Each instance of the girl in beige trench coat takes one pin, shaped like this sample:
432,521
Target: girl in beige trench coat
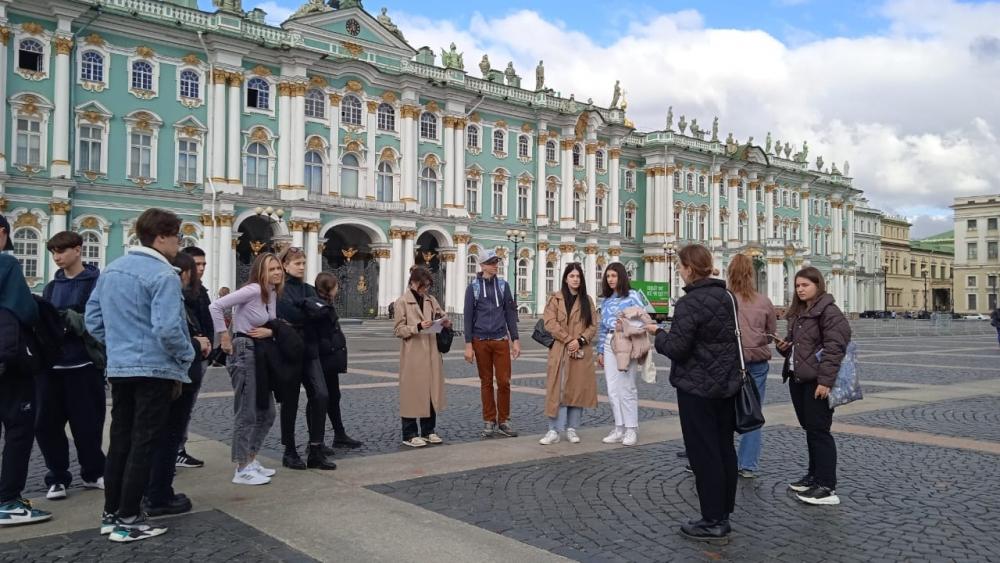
571,384
421,370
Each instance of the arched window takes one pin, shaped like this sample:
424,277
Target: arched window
472,195
629,181
471,267
702,189
550,151
523,199
522,276
92,66
703,225
428,126
502,269
315,104
142,75
629,221
677,181
187,242
550,277
428,188
689,217
27,250
383,184
678,216
499,197
690,182
314,172
578,214
350,171
472,137
386,117
30,56
499,140
599,159
599,209
522,147
258,93
350,110
258,162
576,155
92,250
742,229
190,84
550,205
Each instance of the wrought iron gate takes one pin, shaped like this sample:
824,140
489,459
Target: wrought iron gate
358,295
437,290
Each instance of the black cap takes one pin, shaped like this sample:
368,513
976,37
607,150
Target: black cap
5,225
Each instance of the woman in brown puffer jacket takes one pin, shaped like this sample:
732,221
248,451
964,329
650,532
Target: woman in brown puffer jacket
818,334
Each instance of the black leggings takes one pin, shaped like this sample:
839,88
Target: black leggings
333,404
314,382
816,417
707,426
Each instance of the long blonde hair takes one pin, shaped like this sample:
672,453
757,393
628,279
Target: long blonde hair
258,275
739,277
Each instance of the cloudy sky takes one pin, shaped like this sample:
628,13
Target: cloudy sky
908,91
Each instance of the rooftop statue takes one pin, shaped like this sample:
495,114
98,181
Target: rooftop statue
540,76
715,129
617,95
509,72
386,22
833,169
452,58
344,4
670,118
847,168
788,150
312,7
819,162
682,124
230,6
803,155
484,66
767,146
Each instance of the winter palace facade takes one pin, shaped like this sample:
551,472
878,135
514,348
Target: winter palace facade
332,133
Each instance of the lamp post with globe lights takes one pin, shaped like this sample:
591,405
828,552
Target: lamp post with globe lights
515,236
670,251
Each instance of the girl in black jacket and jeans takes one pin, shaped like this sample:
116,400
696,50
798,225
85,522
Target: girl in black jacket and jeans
702,347
333,357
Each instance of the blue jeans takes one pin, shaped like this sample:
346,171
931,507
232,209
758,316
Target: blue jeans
748,454
568,417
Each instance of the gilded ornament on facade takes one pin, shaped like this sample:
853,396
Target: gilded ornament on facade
256,246
353,49
189,229
95,40
447,257
315,143
191,59
354,86
551,256
142,93
615,251
59,207
318,82
144,52
299,88
32,28
389,96
335,99
502,252
473,173
92,116
27,219
91,86
431,160
567,248
500,124
261,70
4,35
387,155
89,223
381,253
234,78
284,88
427,255
353,146
372,106
475,118
461,238
591,148
525,253
258,134
63,45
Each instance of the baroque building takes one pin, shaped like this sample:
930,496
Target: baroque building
332,133
977,258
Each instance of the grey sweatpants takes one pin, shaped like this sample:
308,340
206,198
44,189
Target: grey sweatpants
251,424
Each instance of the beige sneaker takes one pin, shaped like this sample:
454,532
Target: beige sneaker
613,438
572,436
433,439
550,437
415,442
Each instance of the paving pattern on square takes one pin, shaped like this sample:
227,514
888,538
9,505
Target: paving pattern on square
977,418
200,536
900,502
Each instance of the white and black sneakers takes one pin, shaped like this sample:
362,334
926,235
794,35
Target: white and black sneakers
19,511
249,476
185,459
819,496
136,530
56,492
803,484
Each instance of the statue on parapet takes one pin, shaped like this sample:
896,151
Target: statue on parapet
803,155
386,22
695,128
819,162
344,4
510,73
229,6
788,150
715,129
484,66
670,118
452,58
540,76
767,145
682,124
616,95
312,7
847,168
833,169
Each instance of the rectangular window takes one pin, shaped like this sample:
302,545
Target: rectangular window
90,149
972,251
498,206
991,250
522,202
29,142
471,196
187,161
991,282
970,281
973,303
141,154
991,224
550,205
970,224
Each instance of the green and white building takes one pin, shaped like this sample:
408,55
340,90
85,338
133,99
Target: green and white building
332,133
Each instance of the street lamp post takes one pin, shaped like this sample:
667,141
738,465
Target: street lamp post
924,275
515,236
885,289
670,250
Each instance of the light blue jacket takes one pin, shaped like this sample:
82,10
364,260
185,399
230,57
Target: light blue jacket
137,310
610,308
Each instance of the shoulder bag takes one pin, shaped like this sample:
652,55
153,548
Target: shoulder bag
749,414
542,336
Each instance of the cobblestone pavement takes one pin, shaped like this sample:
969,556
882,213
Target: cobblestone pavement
195,537
900,502
977,418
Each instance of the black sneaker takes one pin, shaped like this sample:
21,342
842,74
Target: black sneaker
506,429
688,468
292,460
820,496
186,460
178,505
711,531
346,441
803,484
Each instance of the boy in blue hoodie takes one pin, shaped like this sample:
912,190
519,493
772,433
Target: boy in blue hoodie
73,390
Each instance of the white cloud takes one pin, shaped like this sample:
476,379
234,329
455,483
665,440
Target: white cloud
276,13
911,109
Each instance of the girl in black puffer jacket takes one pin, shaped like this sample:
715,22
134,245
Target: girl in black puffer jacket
333,357
705,369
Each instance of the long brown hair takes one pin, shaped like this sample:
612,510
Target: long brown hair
739,277
581,293
258,275
326,285
698,259
622,288
799,306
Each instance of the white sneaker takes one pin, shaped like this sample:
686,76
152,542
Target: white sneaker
98,484
572,436
550,437
631,437
249,477
56,492
615,437
256,466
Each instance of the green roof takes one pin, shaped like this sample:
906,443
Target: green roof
941,242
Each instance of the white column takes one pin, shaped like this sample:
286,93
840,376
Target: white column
650,219
448,123
233,126
407,258
396,264
838,229
614,177
227,255
315,266
461,258
372,155
285,138
459,152
752,211
769,211
734,210
590,261
715,183
850,231
297,227
210,244
297,145
218,171
665,186
451,274
386,294
804,220
591,204
333,183
541,219
566,171
408,148
60,116
541,257
57,224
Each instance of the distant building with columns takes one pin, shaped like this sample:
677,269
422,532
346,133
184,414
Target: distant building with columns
332,133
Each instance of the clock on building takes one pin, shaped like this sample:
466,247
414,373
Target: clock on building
353,27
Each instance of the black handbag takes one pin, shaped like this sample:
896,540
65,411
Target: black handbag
444,340
749,414
542,336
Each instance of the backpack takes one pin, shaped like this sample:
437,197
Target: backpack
501,288
49,332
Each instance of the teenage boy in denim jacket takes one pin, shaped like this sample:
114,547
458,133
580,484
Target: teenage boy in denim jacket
137,311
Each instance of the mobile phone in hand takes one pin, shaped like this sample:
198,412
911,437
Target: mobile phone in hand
776,339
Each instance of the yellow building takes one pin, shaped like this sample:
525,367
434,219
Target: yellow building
918,273
977,258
